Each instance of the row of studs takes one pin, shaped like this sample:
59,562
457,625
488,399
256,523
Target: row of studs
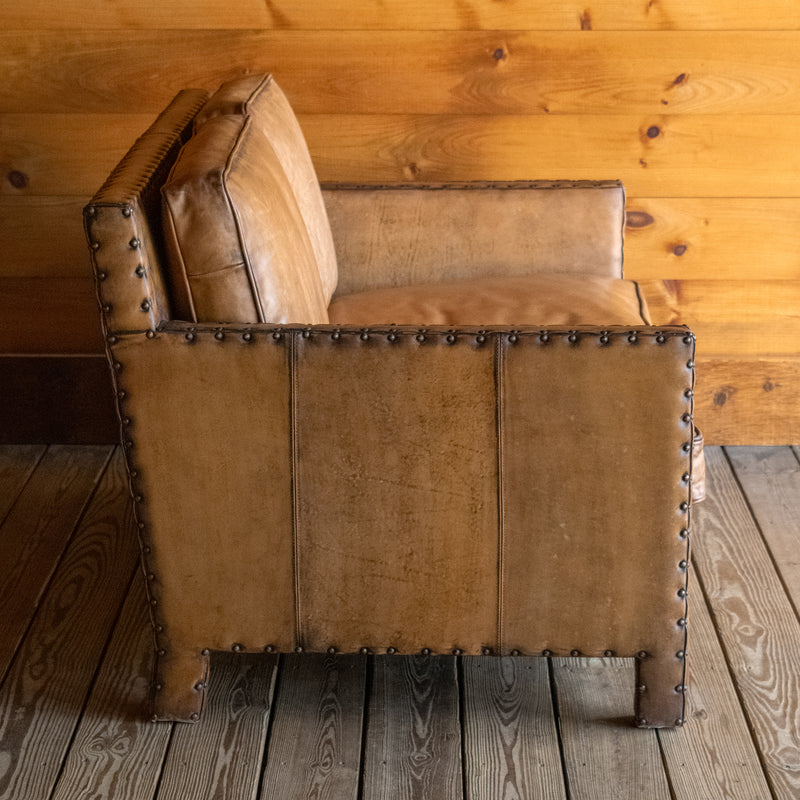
604,337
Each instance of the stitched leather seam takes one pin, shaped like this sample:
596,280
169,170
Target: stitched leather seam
498,377
292,339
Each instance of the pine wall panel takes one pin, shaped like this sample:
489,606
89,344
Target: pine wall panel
694,104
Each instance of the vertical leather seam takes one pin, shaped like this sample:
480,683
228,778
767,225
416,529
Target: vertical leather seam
640,299
498,377
298,633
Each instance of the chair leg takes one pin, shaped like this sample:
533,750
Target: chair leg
179,686
660,691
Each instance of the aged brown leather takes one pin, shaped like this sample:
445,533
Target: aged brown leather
519,486
539,299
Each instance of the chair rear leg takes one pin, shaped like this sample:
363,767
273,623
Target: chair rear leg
660,690
180,682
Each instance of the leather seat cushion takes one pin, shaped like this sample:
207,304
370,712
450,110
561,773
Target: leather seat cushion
529,300
258,96
237,243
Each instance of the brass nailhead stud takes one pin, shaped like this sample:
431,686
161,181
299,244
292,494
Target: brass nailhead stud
641,688
145,306
633,338
158,687
298,649
544,336
160,628
247,336
204,652
515,652
688,339
107,308
364,336
681,654
129,444
686,477
364,651
575,653
684,532
642,654
95,245
690,364
680,688
91,211
683,564
641,721
237,648
660,338
154,718
139,271
608,653
687,417
189,336
101,276
513,338
117,366
277,335
199,686
682,593
146,549
150,334
391,650
684,506
270,648
126,211
134,243
682,622
331,650
112,339
450,338
547,653
195,716
688,393
392,337
573,337
336,335
486,651
480,339
426,651
420,337
306,333
219,336
679,723
151,577
604,339
162,652
457,651
687,447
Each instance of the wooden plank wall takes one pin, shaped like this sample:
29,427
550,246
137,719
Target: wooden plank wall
695,104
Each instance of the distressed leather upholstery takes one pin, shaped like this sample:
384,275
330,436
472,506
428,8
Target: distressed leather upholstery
443,457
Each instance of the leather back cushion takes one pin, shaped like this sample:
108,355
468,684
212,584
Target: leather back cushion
237,242
261,98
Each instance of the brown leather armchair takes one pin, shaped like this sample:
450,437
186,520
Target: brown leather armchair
388,419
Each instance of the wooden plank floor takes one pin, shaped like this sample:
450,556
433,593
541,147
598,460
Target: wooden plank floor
75,654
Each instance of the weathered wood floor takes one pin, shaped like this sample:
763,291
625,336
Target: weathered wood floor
75,659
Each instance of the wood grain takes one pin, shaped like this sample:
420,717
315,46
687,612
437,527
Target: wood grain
713,755
740,400
757,625
604,755
713,238
37,531
413,746
46,688
43,237
691,155
315,741
408,15
509,729
117,752
770,479
17,463
735,316
221,756
49,315
412,72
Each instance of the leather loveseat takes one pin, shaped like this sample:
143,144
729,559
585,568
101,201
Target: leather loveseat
388,419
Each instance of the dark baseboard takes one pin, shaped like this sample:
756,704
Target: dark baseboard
56,400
